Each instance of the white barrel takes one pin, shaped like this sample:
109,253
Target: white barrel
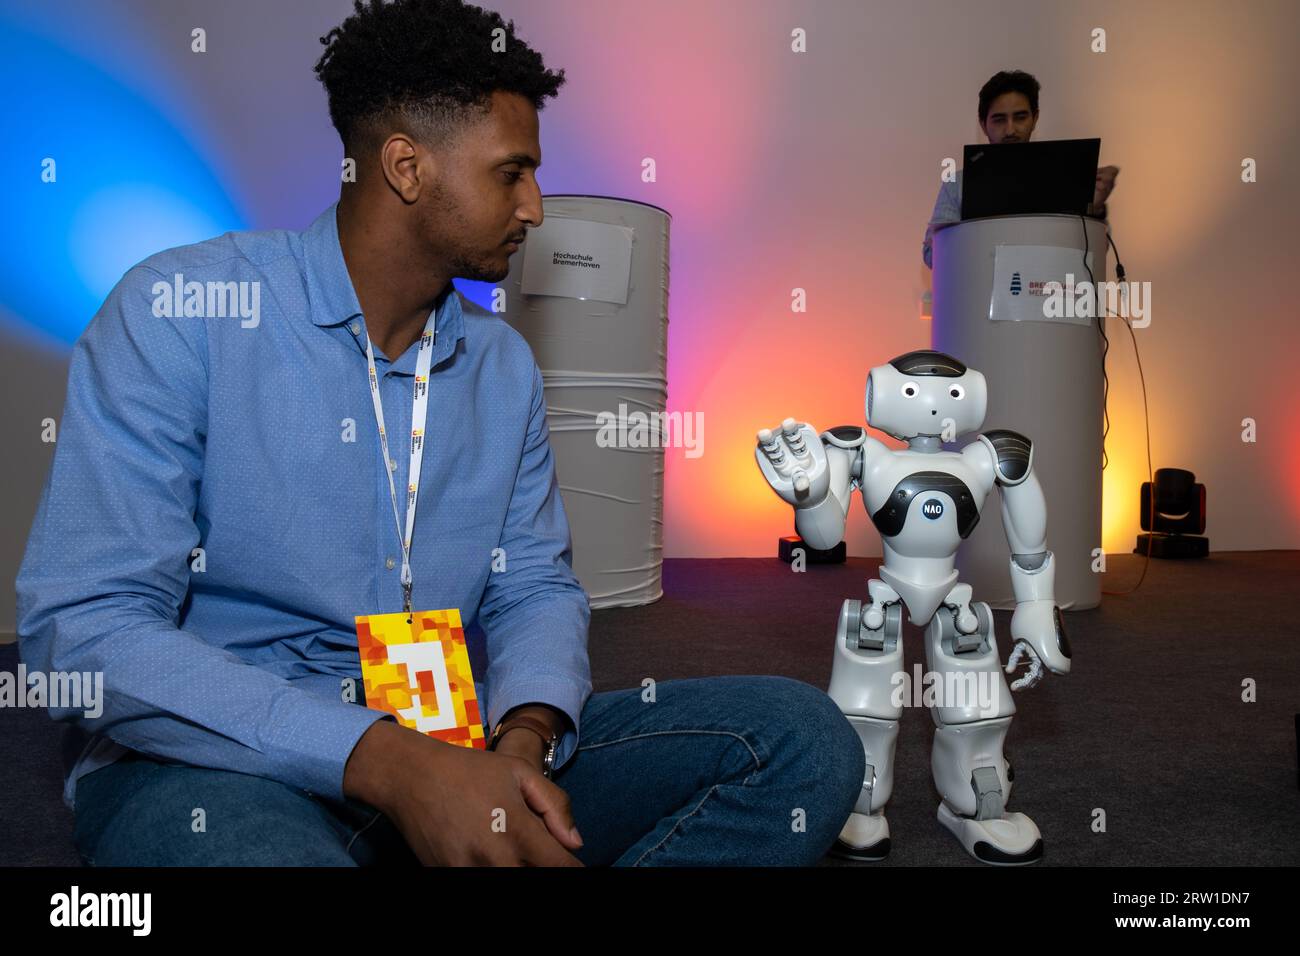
603,361
1044,381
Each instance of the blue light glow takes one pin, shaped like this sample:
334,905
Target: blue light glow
128,184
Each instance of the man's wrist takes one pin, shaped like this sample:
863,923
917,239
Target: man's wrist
366,776
531,731
556,720
522,742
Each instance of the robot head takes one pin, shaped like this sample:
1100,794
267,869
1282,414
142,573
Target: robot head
920,392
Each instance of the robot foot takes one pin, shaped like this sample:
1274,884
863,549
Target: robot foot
864,837
1012,840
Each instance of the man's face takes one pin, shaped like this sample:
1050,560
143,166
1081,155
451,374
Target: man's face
1009,119
487,192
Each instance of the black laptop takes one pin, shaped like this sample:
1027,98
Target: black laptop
1012,179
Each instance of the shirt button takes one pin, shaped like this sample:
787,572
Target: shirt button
392,465
389,564
355,327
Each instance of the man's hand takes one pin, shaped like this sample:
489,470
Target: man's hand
1105,184
445,799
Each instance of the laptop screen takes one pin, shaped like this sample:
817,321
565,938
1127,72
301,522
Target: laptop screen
1048,176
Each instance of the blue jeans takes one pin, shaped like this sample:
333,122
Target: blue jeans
716,771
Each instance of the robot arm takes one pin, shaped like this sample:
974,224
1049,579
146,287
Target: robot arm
1024,510
1036,624
814,473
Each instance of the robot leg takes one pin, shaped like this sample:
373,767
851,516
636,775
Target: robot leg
863,681
882,595
959,600
971,720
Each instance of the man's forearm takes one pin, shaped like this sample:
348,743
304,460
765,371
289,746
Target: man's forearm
205,709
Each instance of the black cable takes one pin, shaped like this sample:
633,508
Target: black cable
1101,327
1151,533
1105,342
1105,388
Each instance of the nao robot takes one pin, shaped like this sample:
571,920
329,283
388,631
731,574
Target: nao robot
924,501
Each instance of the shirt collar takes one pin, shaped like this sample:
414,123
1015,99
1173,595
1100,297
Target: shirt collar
334,300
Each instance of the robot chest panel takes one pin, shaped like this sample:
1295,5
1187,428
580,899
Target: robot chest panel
939,503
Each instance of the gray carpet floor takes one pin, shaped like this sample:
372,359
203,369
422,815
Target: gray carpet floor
1149,726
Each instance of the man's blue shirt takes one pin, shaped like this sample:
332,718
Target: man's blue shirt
254,440
947,208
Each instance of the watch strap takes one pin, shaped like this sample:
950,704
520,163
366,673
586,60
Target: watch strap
523,720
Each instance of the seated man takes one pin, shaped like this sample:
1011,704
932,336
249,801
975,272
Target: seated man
216,516
1008,113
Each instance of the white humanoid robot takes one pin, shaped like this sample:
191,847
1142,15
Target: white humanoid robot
924,501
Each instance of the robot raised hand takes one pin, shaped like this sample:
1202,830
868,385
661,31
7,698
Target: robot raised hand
811,472
794,463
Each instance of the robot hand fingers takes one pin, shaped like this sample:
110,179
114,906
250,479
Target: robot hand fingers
805,445
1022,651
796,458
789,434
774,448
792,432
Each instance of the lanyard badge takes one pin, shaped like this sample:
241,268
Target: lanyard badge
418,412
415,665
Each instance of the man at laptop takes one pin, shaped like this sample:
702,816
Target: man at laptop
1008,113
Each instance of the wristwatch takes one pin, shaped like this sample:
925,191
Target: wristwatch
549,739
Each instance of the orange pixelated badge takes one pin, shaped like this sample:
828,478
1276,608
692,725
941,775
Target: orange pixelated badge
416,667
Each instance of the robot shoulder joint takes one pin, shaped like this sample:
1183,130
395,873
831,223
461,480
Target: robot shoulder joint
850,438
845,436
1013,455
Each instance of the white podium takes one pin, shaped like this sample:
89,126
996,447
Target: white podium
1044,377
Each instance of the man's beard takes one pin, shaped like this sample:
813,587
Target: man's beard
480,270
445,216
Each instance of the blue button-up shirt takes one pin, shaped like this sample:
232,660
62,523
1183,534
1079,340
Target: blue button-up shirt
947,208
252,439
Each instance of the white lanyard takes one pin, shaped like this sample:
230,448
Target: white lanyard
418,410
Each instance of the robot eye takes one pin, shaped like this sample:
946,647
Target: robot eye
957,392
910,390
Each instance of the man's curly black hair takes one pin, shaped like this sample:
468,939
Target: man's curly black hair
426,67
1013,81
